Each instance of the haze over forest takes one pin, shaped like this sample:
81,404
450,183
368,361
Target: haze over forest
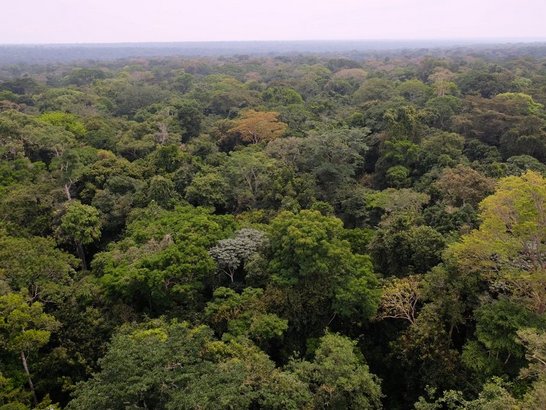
273,205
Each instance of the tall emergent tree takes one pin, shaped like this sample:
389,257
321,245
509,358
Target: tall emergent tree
81,225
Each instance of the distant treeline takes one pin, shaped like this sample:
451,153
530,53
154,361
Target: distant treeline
64,53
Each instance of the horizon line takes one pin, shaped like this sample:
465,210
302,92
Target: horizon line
489,40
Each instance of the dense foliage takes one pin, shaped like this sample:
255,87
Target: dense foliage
274,232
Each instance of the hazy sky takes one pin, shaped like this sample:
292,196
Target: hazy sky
75,21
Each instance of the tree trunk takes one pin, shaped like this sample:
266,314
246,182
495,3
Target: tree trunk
31,385
67,192
81,255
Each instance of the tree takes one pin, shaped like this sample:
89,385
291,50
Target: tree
232,253
439,111
518,103
69,167
162,262
35,266
485,83
508,250
169,365
222,94
534,145
496,350
281,96
404,122
534,342
84,76
400,248
494,396
338,377
521,163
127,96
374,89
207,189
494,120
497,393
189,117
425,354
254,126
414,91
24,329
399,299
317,272
255,180
390,203
396,153
81,225
442,148
161,190
69,122
442,81
244,314
334,158
398,176
462,185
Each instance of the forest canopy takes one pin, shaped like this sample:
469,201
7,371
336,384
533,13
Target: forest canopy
305,231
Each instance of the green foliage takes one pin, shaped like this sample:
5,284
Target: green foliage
259,195
163,261
282,96
511,237
254,179
127,98
35,266
24,327
83,76
414,91
396,155
440,110
426,353
244,314
161,191
80,223
207,189
309,259
523,103
398,176
172,365
338,377
189,117
24,330
69,122
462,185
401,250
374,89
443,149
333,158
487,84
497,348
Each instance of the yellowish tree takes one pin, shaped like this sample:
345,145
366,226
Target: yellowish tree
258,126
399,299
509,248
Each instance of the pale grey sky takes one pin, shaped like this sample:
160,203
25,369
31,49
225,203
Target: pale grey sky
98,21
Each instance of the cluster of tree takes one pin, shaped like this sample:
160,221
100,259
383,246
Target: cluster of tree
277,233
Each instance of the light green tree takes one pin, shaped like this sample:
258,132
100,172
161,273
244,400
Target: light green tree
81,225
509,248
338,377
24,329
